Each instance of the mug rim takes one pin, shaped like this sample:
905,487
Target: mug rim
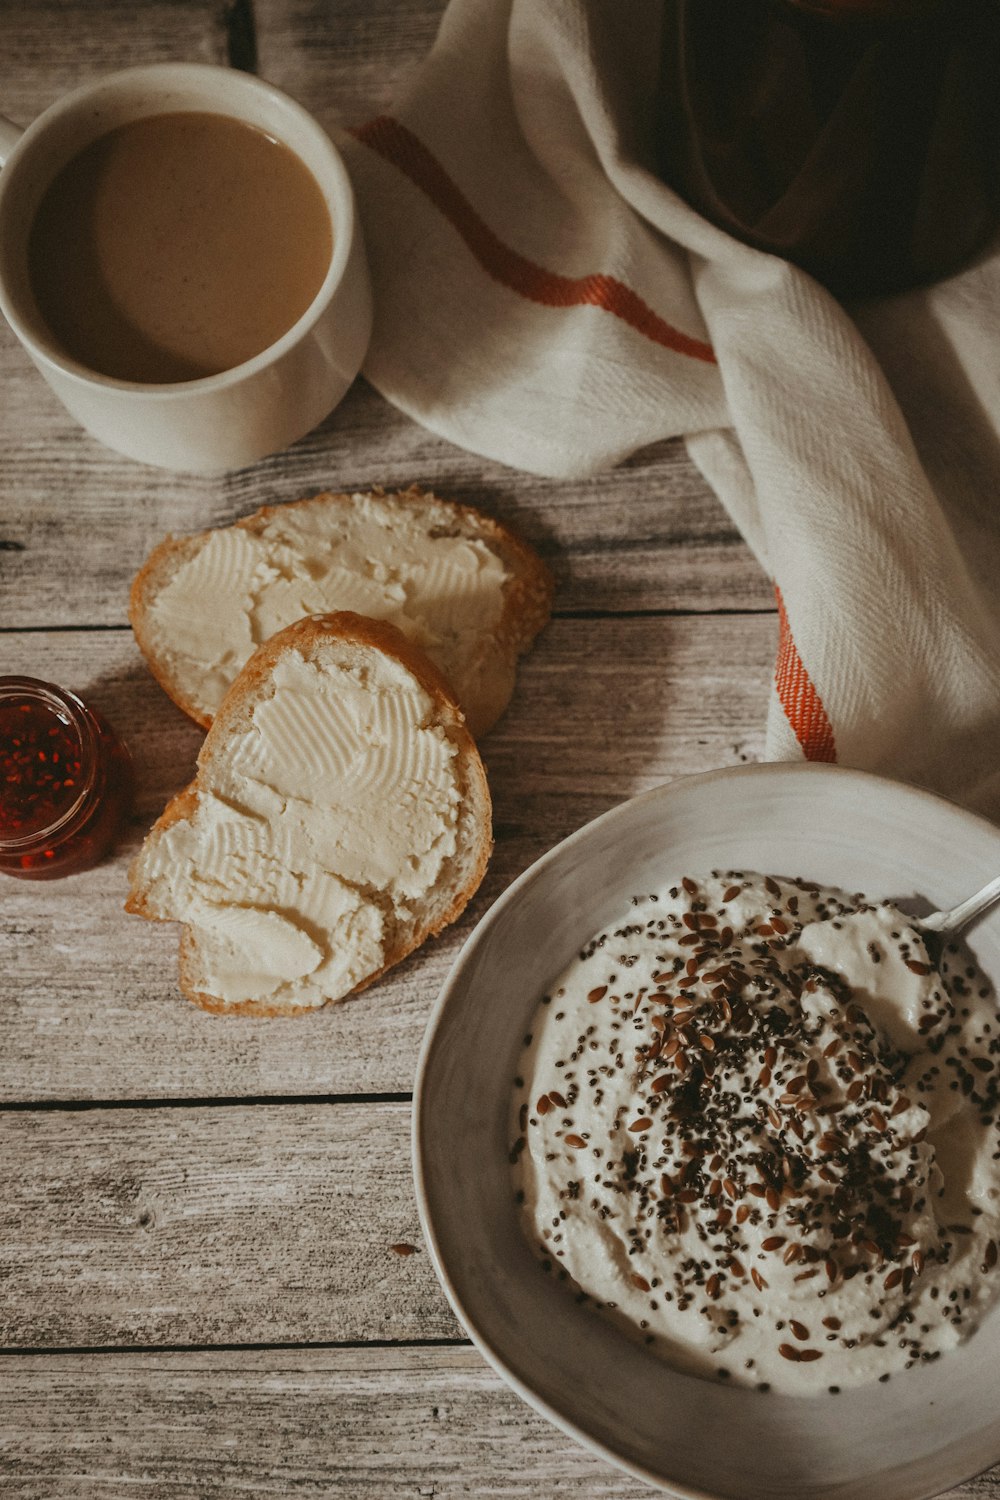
343,223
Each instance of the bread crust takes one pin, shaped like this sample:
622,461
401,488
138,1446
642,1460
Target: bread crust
150,578
309,636
527,594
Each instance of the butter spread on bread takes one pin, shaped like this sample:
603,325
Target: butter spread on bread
339,816
455,582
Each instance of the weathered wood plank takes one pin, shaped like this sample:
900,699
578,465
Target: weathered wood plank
604,708
229,1225
366,1424
648,535
317,1423
50,46
348,66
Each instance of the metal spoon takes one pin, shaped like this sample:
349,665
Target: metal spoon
961,915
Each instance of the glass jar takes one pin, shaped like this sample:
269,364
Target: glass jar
858,138
65,781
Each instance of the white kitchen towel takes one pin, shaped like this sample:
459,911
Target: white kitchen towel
544,300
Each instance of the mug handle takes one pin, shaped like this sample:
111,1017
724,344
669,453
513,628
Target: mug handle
10,134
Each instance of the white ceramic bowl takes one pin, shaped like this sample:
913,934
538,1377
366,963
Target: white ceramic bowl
915,1436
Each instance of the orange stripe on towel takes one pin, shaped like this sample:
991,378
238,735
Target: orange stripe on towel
799,698
405,151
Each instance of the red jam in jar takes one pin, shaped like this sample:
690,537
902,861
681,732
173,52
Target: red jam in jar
65,781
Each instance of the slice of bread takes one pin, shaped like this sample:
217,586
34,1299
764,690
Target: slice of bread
457,583
339,816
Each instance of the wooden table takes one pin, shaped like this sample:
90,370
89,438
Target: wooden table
198,1286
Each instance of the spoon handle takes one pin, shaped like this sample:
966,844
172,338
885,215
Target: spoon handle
958,917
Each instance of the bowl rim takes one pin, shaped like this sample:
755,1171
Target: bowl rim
512,893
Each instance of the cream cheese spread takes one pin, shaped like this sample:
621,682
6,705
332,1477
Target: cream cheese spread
332,812
758,1125
383,560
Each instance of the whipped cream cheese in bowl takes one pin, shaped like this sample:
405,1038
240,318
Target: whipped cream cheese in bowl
759,1124
708,1163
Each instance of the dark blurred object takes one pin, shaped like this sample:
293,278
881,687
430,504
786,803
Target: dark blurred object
858,138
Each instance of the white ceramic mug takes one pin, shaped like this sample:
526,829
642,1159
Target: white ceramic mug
220,421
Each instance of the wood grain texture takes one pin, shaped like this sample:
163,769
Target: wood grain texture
349,62
604,709
232,1225
646,536
366,1423
51,46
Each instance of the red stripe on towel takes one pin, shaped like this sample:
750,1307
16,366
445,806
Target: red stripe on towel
799,698
405,151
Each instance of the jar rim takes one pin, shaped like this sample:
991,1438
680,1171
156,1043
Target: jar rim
37,690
